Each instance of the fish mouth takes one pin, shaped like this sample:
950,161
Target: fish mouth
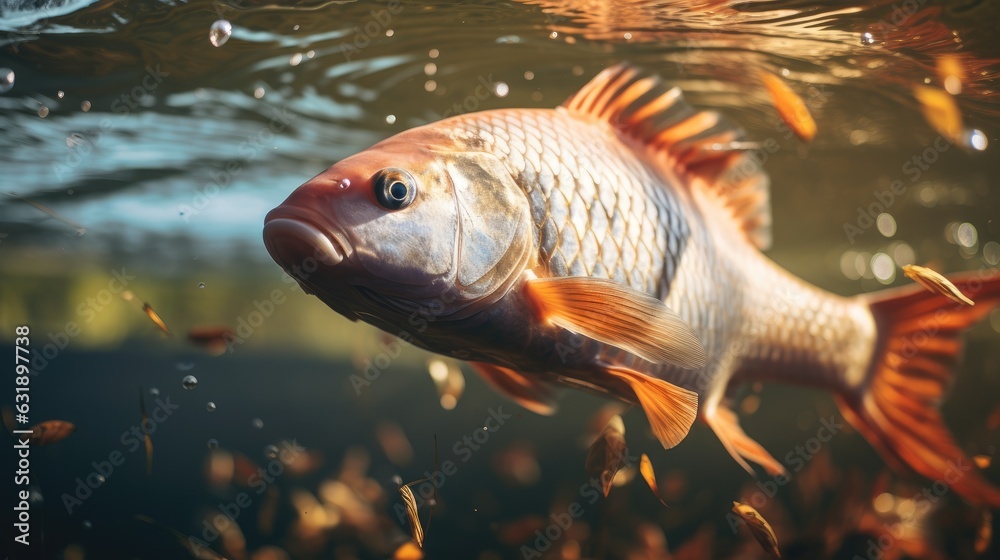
293,236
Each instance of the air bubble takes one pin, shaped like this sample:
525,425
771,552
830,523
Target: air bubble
6,79
344,183
220,32
257,423
867,39
201,284
213,443
210,406
390,119
271,452
189,382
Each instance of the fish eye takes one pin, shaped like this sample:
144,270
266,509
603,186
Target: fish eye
394,188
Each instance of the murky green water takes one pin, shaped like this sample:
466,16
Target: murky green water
165,152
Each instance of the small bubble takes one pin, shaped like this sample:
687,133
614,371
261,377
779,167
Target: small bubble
529,75
210,406
975,139
43,111
391,119
85,106
220,32
536,96
154,391
867,39
966,235
295,60
397,480
344,183
886,224
991,253
430,85
433,53
389,32
847,265
189,382
883,268
501,89
296,27
213,443
578,70
101,479
271,452
553,35
87,524
628,36
785,72
201,284
257,423
258,93
60,94
6,79
310,54
430,68
903,254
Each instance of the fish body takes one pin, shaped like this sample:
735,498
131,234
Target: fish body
614,245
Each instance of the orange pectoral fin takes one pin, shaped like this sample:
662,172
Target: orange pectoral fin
615,314
537,396
671,410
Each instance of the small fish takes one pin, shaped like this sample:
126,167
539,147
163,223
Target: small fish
215,340
940,111
148,309
412,514
759,528
50,431
608,452
614,245
791,108
984,535
148,440
935,283
649,475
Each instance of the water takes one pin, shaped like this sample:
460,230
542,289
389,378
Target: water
127,125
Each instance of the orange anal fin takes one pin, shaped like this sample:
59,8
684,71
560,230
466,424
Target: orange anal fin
726,426
616,314
670,409
537,396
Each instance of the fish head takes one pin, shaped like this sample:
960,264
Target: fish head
417,223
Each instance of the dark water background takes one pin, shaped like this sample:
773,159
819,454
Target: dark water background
123,120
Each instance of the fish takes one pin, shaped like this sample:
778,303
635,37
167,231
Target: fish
615,245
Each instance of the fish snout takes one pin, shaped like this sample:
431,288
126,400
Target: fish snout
298,240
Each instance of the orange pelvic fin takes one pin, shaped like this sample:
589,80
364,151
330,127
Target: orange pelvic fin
618,315
537,396
726,426
670,409
896,408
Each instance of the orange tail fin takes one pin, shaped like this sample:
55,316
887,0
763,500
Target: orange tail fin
919,345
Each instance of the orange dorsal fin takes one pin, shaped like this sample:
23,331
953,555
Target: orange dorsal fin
701,146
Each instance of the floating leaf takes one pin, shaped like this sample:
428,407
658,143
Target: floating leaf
940,111
646,468
759,528
935,283
607,453
394,443
411,513
155,318
50,431
984,535
791,108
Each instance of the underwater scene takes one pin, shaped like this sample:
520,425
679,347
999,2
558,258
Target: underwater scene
734,298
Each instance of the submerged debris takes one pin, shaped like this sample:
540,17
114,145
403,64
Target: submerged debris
935,283
759,527
608,453
791,108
